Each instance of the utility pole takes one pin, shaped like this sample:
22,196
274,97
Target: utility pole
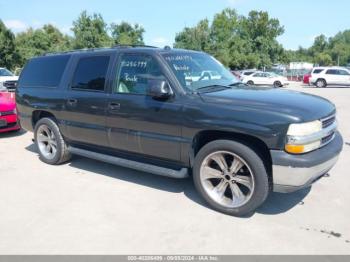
338,60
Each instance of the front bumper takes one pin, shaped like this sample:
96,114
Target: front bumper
294,172
11,123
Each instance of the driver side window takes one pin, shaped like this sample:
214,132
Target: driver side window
135,71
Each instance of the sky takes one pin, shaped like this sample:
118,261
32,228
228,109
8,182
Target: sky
303,20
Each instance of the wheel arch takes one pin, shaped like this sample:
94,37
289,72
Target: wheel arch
39,114
257,145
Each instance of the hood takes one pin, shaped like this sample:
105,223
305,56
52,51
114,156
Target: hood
8,78
7,101
299,106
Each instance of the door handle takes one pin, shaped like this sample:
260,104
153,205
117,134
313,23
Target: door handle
72,102
114,106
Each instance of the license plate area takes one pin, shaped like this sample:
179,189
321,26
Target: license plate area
3,122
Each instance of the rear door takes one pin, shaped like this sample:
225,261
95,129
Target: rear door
332,77
86,99
136,122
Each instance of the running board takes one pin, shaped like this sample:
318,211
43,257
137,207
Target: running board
148,168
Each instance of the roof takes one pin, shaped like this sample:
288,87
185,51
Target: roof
119,47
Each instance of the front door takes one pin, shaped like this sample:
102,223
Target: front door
136,122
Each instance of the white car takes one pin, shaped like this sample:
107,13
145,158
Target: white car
265,78
207,75
8,80
323,76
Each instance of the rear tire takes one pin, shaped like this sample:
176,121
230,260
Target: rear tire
251,83
321,83
230,177
52,148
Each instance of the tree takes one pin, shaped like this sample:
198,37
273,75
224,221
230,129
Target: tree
127,34
194,38
323,59
90,31
8,52
37,42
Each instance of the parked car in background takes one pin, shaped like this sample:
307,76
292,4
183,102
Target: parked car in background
306,78
8,113
266,78
246,73
325,76
8,81
132,106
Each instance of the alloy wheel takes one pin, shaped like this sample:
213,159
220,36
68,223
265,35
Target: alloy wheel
227,179
47,142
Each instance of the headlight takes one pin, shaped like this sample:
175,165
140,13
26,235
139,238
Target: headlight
304,129
301,132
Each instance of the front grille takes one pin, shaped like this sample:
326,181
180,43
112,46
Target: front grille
328,138
9,125
7,113
10,85
326,122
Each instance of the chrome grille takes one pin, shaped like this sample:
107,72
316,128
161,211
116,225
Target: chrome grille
326,122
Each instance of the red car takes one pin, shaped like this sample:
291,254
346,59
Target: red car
8,112
306,79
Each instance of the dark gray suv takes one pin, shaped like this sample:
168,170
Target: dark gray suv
178,113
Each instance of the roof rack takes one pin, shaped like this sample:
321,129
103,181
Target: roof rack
76,51
134,46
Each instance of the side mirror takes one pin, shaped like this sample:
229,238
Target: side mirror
159,89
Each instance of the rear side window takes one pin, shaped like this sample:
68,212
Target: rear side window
317,71
332,72
44,71
90,73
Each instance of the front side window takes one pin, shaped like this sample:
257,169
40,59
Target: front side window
343,72
198,70
90,73
5,72
135,72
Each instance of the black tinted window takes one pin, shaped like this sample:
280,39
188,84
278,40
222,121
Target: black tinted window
135,72
317,71
44,71
332,72
90,73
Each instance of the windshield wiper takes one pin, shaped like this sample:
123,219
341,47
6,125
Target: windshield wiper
237,84
212,88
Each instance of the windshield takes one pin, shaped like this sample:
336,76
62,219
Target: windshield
5,72
198,70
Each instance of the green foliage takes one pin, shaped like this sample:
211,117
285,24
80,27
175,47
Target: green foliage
8,53
90,31
37,42
127,34
326,51
237,41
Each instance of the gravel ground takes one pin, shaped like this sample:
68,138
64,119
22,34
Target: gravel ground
89,207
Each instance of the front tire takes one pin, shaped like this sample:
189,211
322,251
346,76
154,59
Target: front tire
230,177
251,83
52,148
277,84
